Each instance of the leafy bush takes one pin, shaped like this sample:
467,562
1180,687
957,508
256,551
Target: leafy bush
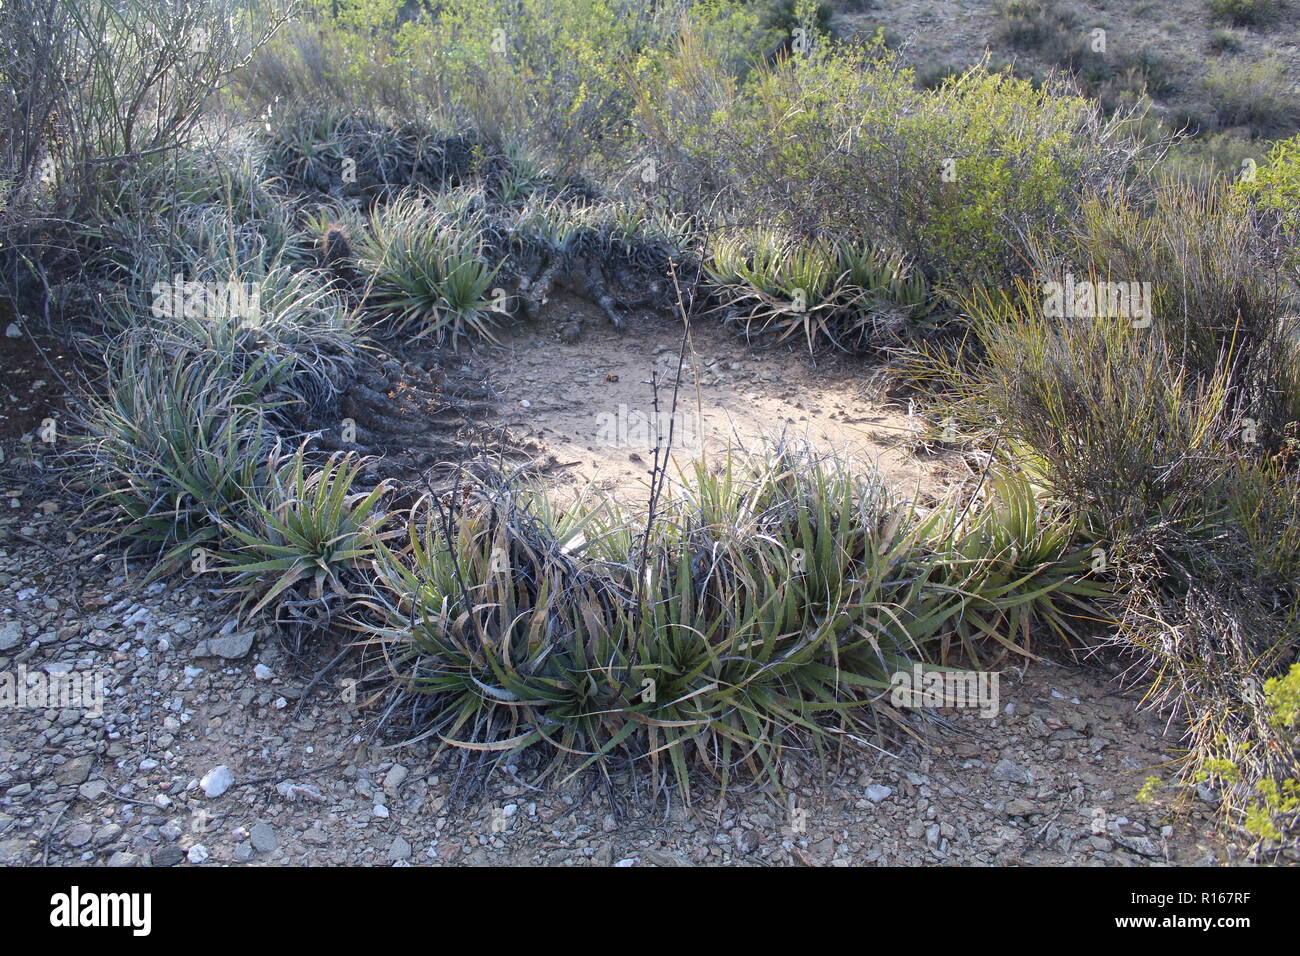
1274,190
843,144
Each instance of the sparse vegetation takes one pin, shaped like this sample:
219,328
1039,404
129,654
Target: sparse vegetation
1259,95
1245,12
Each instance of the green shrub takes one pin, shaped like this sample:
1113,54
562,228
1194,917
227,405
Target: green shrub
1274,190
1275,186
1034,24
843,144
1170,435
1225,41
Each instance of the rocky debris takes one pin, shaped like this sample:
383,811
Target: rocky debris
75,771
399,849
1012,773
394,779
168,855
298,791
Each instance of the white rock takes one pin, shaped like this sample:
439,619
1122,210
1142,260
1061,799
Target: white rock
198,854
217,781
262,672
878,792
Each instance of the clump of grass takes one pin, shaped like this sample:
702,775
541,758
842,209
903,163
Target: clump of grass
307,526
759,608
670,655
343,151
1225,41
426,272
853,296
1218,302
289,322
1104,410
1025,575
173,447
1171,442
1034,24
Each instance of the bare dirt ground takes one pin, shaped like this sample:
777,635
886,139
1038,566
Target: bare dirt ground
30,391
582,390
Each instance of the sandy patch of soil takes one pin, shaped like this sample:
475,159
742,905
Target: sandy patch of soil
582,391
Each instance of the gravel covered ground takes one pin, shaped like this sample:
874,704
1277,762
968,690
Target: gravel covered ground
202,756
